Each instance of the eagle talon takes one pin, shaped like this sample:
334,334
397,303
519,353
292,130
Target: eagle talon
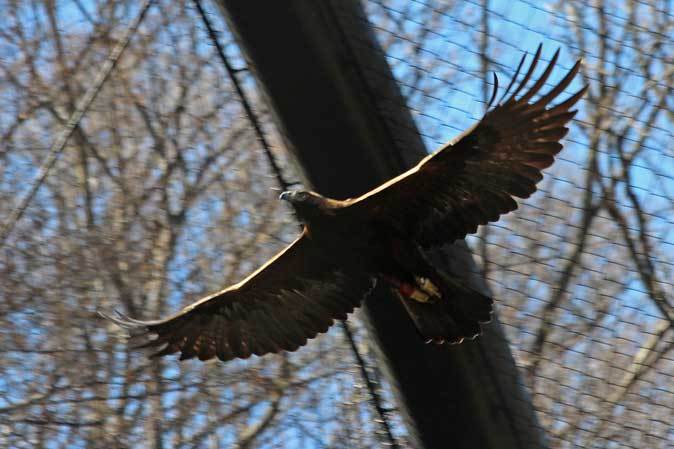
428,287
420,296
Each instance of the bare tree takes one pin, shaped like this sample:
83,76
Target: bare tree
162,194
583,270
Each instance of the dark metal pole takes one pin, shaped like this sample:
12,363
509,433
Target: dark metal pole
310,58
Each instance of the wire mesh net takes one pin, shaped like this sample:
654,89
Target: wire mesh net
164,194
161,195
582,271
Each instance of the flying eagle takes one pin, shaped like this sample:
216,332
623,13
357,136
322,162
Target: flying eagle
346,246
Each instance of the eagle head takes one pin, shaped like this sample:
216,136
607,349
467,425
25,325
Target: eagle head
308,205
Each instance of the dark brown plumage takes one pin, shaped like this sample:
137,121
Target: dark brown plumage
347,246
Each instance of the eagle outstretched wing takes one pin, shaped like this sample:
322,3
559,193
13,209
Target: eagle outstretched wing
293,297
472,180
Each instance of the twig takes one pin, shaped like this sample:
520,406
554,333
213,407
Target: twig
212,34
371,387
81,108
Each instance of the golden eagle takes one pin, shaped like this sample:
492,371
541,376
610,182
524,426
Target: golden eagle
347,246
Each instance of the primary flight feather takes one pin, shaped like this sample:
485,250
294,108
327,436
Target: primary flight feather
348,245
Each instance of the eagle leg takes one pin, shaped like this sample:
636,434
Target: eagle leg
441,306
425,291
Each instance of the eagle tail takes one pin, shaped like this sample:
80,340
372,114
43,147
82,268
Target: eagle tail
454,316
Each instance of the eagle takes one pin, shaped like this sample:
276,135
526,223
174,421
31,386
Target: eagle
347,246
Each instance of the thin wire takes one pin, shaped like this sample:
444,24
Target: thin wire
80,110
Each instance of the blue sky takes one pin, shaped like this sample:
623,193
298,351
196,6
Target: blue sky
516,26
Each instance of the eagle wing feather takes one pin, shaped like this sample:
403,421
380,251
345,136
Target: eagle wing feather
474,179
293,297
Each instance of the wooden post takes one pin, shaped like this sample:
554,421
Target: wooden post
314,61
